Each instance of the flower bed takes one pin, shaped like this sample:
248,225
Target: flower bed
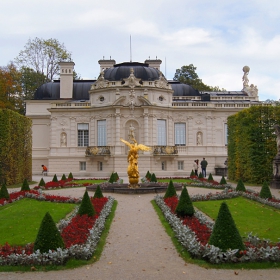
80,234
190,232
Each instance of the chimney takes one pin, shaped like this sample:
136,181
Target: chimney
66,79
155,63
106,63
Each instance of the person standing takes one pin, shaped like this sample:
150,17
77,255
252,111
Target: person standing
195,167
203,165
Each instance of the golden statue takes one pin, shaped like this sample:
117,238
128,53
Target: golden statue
132,158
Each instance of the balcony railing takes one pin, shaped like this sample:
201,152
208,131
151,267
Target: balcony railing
165,150
98,151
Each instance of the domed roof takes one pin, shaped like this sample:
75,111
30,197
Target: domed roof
183,89
122,71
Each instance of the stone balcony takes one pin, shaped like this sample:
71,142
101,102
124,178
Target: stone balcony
165,150
92,151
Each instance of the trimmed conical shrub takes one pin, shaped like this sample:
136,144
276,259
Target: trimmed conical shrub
185,206
116,176
86,207
63,177
48,237
225,234
200,175
148,174
113,177
192,173
42,183
210,177
54,178
223,181
171,191
25,186
4,192
240,186
265,191
153,178
70,176
98,193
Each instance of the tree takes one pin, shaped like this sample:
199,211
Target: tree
187,75
185,206
86,207
171,191
43,56
11,96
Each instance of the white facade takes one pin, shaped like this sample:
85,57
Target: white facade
83,136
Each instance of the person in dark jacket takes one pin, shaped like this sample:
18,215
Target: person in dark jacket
203,165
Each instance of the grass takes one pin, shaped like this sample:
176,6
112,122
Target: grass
19,185
73,263
20,220
183,253
175,180
84,181
249,216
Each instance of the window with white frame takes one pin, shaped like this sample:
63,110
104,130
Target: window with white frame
83,134
101,133
180,165
226,134
163,165
83,166
99,166
161,129
180,134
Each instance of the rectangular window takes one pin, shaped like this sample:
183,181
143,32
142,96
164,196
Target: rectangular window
180,165
83,166
100,166
163,165
101,133
180,134
83,134
226,134
161,129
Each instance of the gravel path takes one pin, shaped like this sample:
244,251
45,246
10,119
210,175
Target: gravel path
138,248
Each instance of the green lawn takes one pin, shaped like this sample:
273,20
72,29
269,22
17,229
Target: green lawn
186,181
89,181
20,220
249,216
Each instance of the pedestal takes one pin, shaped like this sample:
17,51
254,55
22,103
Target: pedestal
275,182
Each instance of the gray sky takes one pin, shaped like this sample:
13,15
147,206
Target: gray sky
218,37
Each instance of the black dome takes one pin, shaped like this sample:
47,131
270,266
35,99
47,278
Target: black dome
183,89
122,71
51,90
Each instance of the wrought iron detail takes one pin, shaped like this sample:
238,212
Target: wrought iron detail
98,151
165,150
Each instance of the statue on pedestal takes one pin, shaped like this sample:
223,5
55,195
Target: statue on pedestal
275,183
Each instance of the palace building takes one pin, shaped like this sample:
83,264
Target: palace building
77,124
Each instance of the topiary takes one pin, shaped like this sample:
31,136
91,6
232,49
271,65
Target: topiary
223,181
192,173
111,179
171,191
185,206
25,186
98,193
70,176
210,177
200,175
240,186
54,178
153,178
265,191
86,207
42,182
63,178
4,192
225,234
48,237
147,174
116,177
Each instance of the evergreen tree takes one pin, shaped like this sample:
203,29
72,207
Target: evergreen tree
192,173
200,175
223,181
185,206
225,234
54,178
70,176
153,178
86,207
63,178
25,186
48,237
171,191
42,183
210,177
240,186
265,191
4,192
116,177
98,193
111,180
148,174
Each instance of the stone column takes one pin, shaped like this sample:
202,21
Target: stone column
118,131
146,126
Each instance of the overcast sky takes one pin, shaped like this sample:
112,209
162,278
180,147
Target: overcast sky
218,37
